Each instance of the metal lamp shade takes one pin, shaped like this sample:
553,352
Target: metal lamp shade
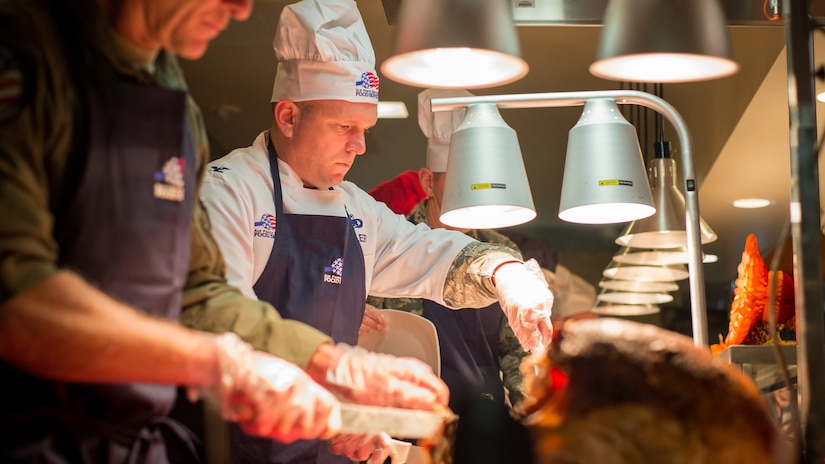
666,228
486,183
604,176
624,310
670,273
635,286
654,257
634,298
455,43
664,41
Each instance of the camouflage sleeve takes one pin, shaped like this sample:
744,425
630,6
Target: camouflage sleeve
376,301
410,305
469,282
510,356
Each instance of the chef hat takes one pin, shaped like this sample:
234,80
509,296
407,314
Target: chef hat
324,52
438,127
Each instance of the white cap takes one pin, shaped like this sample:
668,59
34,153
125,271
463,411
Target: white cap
324,52
439,127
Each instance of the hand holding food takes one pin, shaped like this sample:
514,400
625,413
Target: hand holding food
266,395
363,377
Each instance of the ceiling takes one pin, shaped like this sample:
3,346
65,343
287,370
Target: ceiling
739,126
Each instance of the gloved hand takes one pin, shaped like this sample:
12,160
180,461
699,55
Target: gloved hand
373,321
267,395
363,377
374,449
527,302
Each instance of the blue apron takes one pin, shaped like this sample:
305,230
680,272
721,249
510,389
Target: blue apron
127,231
469,343
316,275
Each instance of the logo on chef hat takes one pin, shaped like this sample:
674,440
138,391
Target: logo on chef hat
265,227
169,180
333,272
367,86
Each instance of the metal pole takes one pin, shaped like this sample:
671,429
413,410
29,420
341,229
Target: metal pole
805,230
698,310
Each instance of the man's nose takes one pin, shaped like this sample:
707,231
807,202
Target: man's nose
240,9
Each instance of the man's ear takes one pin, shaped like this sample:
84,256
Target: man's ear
425,177
285,115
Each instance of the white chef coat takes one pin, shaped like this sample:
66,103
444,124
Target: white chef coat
401,259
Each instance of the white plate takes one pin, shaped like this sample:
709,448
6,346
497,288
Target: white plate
406,335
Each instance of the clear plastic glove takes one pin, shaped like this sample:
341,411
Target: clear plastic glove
374,449
267,395
527,302
373,321
363,377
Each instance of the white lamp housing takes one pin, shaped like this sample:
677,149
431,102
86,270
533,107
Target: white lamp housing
604,174
486,184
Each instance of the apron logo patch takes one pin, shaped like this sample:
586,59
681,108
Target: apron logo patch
333,272
358,224
169,180
265,228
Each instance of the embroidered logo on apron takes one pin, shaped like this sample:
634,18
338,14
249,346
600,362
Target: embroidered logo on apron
169,180
265,227
358,224
333,272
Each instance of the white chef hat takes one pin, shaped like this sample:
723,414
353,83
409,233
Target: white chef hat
324,52
438,127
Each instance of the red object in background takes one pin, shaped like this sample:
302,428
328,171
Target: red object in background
749,310
401,193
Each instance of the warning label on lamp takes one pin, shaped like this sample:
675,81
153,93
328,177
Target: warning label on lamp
629,183
487,186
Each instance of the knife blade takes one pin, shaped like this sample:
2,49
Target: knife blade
396,422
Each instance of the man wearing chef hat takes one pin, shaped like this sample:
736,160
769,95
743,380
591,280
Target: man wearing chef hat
295,234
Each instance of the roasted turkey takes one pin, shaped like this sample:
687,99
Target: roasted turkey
612,391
